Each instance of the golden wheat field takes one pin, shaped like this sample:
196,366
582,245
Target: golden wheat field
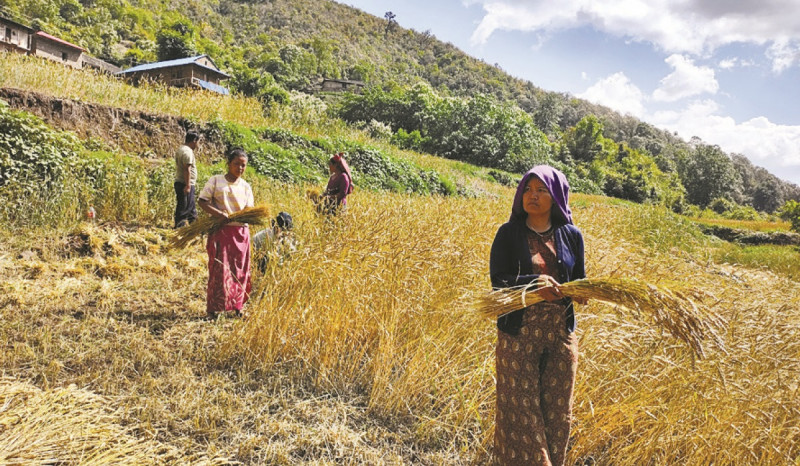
365,346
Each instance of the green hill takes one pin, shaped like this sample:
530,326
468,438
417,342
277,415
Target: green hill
279,45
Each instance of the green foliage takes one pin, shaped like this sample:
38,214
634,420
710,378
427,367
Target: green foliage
133,57
374,169
584,142
262,86
265,157
636,177
547,113
478,130
32,157
721,205
791,213
405,140
176,40
708,173
767,196
379,130
50,178
286,156
503,178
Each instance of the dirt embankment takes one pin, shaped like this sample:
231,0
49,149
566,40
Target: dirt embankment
149,135
752,237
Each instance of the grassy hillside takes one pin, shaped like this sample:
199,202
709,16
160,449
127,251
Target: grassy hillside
269,47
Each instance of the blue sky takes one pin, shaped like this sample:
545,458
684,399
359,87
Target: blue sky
727,71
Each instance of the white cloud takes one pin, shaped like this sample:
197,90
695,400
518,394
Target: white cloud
689,26
735,62
584,76
784,54
769,145
616,92
686,80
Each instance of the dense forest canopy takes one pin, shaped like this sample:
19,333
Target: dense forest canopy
430,95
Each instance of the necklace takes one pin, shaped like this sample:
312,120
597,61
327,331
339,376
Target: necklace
542,234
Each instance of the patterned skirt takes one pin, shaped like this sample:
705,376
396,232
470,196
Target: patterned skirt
535,379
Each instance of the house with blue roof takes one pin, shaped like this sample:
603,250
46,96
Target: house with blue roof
199,71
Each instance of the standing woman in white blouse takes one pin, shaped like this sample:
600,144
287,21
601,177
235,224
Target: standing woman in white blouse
229,247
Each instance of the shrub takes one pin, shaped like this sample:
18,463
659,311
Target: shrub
791,213
378,130
406,140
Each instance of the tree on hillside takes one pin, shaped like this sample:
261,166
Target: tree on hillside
767,196
634,176
707,174
262,86
585,141
548,112
176,40
391,23
791,213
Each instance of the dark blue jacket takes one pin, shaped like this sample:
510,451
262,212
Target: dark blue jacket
510,265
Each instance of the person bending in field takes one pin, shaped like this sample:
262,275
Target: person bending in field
229,247
537,351
277,242
340,184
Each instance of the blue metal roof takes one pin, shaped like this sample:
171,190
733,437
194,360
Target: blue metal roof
168,63
213,87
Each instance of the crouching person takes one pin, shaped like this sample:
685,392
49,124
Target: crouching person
277,242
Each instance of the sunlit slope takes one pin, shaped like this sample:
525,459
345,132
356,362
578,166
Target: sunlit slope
372,317
378,302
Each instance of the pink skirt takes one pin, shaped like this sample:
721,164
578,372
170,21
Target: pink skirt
228,269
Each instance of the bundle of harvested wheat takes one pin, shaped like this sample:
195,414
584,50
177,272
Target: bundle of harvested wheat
192,233
314,195
671,310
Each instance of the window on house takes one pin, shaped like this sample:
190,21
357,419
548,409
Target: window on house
8,34
64,56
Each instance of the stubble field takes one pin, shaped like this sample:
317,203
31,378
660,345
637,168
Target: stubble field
363,348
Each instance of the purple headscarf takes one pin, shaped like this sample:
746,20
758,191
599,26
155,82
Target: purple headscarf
556,183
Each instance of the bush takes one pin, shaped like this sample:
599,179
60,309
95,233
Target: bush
791,213
721,205
283,155
378,130
265,157
503,178
406,140
33,156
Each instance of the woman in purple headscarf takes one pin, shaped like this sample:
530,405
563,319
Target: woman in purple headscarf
537,351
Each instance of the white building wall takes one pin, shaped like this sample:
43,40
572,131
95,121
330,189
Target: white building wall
56,52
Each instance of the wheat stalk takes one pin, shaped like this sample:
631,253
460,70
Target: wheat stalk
191,233
671,310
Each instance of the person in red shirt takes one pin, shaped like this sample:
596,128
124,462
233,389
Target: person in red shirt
340,184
